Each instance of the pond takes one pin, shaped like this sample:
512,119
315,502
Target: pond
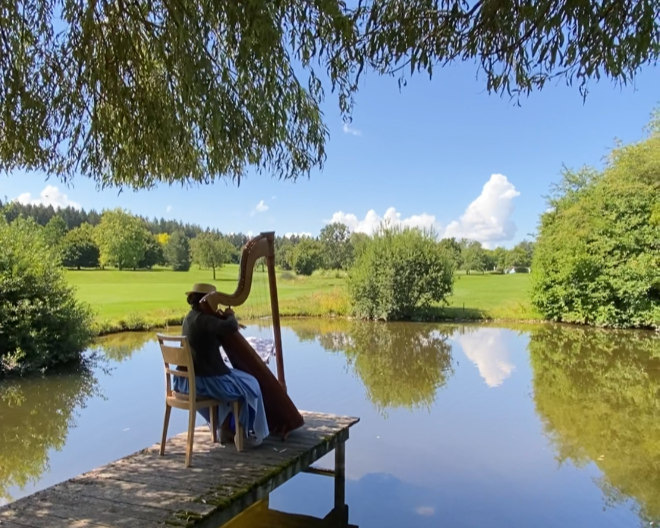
460,425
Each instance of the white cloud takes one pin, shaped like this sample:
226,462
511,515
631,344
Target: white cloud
425,511
168,209
261,207
392,218
488,218
50,195
348,129
487,350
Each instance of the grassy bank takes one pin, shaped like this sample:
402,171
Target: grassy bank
488,296
135,300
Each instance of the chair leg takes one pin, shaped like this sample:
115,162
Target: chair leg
240,434
214,423
166,423
191,436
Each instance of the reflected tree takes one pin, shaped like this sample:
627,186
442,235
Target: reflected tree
598,393
36,414
401,364
322,329
121,346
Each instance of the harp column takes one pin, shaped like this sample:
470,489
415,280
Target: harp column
275,308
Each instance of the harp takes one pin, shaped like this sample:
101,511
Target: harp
281,413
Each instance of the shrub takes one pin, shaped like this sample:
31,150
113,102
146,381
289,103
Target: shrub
79,248
41,323
597,257
334,302
307,256
399,274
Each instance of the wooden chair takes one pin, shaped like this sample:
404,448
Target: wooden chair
176,352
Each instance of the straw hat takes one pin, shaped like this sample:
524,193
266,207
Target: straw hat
201,287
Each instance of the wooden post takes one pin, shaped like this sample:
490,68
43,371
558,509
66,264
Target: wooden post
340,477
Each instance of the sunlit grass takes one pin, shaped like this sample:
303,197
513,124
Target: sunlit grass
139,300
493,296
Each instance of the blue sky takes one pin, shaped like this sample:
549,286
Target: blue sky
440,152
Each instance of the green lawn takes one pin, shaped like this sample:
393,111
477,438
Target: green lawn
145,299
492,296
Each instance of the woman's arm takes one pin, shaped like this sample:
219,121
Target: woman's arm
221,327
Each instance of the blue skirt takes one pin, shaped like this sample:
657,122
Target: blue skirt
237,385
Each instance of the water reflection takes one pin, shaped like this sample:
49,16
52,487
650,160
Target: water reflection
598,394
400,364
120,347
259,514
488,350
35,417
465,455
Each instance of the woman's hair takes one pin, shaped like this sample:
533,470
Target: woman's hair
194,298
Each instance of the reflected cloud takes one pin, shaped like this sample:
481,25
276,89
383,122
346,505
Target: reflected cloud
487,350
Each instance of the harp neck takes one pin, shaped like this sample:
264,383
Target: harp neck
260,246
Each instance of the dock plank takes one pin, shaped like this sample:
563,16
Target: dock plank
145,489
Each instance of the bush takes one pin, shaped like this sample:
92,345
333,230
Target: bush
307,256
79,248
398,275
41,323
597,258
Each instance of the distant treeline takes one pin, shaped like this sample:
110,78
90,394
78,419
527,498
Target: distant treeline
120,239
42,214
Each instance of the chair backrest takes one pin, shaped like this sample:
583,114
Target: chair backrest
176,352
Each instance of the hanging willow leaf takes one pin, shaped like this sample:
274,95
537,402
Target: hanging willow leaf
136,92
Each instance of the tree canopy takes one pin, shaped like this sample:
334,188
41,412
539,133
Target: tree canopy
597,256
211,250
133,93
122,239
42,324
399,275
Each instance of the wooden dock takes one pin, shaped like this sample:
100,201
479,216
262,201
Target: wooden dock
145,489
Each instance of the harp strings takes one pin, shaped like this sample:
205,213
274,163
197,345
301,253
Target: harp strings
261,314
261,308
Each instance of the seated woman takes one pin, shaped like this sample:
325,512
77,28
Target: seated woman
213,377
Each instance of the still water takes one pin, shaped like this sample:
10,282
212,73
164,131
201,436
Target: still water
460,426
